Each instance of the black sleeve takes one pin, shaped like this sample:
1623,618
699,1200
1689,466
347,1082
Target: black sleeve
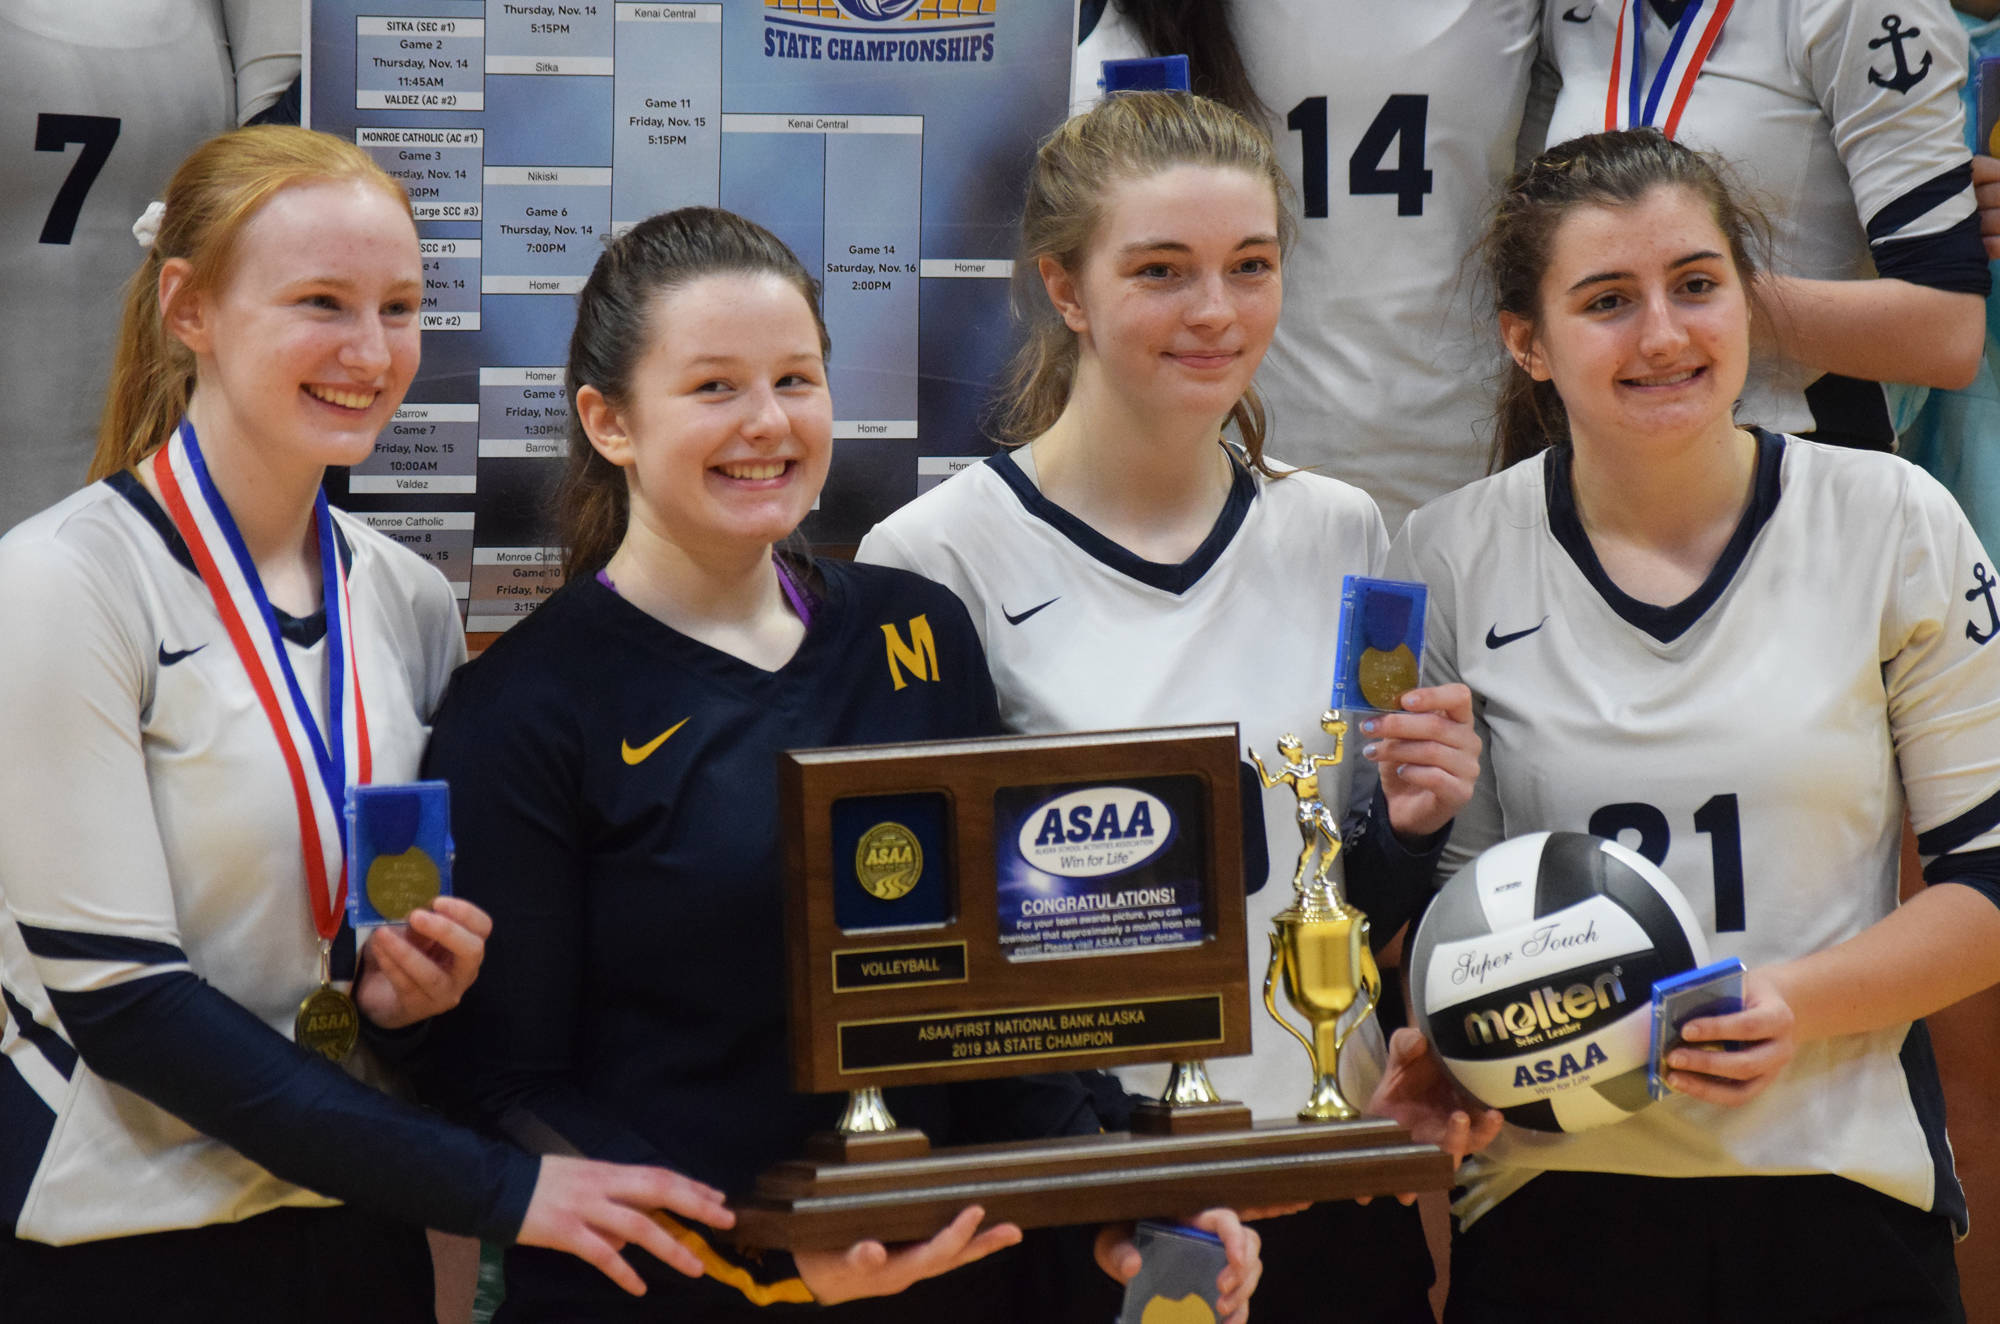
1976,869
180,1043
1389,880
981,708
285,110
504,1056
1953,259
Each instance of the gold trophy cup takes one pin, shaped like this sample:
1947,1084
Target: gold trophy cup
1320,944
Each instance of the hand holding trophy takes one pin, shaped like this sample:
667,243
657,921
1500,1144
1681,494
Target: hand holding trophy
1320,944
1071,901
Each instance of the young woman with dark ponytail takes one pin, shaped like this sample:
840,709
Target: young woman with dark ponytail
613,761
1747,656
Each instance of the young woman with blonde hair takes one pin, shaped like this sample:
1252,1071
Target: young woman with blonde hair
1126,566
199,659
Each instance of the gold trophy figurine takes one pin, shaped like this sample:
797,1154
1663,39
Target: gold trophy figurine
1320,944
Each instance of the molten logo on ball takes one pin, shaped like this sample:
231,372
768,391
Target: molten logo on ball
1533,971
1546,1013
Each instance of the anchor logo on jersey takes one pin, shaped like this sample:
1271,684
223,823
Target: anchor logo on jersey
1904,78
1983,585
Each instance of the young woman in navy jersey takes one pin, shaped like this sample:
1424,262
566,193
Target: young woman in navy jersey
1704,661
613,765
199,658
1126,567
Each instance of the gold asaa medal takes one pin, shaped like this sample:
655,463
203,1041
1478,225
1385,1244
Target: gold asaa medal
888,861
327,1023
1386,675
399,884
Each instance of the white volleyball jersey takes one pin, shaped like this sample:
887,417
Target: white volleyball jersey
1841,116
102,101
1082,635
150,830
1395,123
1759,741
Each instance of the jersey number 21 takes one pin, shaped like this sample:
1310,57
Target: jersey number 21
1716,819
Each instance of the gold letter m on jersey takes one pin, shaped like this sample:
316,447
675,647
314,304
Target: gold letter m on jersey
919,655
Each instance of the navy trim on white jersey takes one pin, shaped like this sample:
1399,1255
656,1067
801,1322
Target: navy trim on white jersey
70,945
1920,1074
1174,579
51,1045
1933,191
126,484
1953,259
30,1122
305,631
1089,12
1664,623
1948,836
1978,870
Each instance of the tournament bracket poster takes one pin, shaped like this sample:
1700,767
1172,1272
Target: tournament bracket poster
886,141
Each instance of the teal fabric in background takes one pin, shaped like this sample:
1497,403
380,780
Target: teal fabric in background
1956,434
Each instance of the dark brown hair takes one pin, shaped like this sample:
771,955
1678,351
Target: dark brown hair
1128,136
211,197
614,325
1599,170
1204,31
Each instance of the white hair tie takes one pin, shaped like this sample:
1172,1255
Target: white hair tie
147,228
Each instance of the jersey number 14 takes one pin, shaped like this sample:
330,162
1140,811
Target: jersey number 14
1400,122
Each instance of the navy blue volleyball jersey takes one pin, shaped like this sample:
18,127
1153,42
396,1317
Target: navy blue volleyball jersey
614,794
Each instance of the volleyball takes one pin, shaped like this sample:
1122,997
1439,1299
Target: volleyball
1532,973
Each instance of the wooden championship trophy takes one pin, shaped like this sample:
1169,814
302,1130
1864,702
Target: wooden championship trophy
977,908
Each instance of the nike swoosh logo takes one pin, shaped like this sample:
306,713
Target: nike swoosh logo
1570,15
634,757
168,659
1496,640
1012,619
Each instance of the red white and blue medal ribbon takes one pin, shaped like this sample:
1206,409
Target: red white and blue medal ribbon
202,518
1630,99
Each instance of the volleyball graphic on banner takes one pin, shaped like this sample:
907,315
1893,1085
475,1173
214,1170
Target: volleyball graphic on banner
1532,973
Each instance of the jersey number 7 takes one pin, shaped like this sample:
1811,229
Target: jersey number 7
52,134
